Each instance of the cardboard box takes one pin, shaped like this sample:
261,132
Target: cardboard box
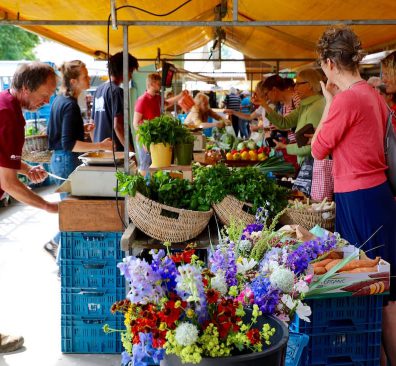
79,214
356,284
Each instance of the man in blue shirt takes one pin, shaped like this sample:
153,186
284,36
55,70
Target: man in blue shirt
108,107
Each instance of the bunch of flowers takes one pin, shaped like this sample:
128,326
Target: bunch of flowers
178,306
273,271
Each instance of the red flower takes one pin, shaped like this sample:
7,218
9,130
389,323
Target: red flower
159,338
253,335
183,257
170,314
212,296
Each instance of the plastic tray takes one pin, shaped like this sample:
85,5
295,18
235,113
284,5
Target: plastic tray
91,245
295,353
89,301
95,273
86,335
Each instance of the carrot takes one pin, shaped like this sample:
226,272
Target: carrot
331,264
374,288
360,263
362,270
321,263
319,270
335,255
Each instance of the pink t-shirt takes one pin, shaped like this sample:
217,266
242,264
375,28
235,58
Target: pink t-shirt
354,134
149,106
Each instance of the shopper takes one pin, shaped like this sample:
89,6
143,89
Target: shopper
352,130
108,105
32,86
200,113
246,107
309,111
148,106
233,101
66,129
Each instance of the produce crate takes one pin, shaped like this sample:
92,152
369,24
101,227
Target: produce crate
345,348
346,313
86,335
295,352
92,273
92,245
89,301
343,330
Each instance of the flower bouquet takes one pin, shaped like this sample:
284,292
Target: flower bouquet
176,305
268,269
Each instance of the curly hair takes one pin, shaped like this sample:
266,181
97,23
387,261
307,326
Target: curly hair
342,46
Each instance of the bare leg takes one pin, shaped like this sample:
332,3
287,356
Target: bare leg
389,331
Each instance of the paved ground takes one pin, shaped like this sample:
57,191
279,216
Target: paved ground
30,290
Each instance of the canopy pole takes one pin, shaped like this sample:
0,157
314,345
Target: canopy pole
235,11
125,74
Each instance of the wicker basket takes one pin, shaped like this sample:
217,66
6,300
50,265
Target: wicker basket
231,208
308,219
166,223
35,143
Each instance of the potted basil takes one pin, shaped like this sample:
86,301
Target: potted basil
184,146
159,136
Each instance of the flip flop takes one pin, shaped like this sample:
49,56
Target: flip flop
51,248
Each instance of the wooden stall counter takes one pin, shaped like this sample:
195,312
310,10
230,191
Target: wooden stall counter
90,214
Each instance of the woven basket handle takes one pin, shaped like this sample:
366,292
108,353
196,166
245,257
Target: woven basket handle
170,214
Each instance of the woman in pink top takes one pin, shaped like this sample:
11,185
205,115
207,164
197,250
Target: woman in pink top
352,130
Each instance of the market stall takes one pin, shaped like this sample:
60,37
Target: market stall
91,258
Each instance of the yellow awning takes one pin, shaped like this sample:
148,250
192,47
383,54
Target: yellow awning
266,42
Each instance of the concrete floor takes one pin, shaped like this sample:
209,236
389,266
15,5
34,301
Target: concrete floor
30,289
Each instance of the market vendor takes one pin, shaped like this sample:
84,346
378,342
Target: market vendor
352,129
200,113
309,111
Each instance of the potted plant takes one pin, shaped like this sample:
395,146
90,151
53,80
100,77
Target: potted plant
184,146
159,136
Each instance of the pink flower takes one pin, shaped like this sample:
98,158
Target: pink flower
246,296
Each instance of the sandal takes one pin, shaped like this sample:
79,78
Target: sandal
51,248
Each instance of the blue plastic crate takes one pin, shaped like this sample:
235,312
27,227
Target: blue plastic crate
89,301
348,348
92,273
339,314
295,352
91,245
86,335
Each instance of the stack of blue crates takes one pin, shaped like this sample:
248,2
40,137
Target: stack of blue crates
343,331
91,283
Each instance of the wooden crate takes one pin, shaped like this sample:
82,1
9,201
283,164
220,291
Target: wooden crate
82,214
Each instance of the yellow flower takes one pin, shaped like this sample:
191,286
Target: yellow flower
190,313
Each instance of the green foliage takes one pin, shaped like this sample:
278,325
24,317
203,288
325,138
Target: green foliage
183,135
16,43
159,130
130,184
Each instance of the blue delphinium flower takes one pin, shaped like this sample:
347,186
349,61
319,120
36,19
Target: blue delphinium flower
144,281
223,258
250,229
125,358
189,287
265,296
165,267
144,353
299,259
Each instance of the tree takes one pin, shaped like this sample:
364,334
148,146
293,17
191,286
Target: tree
16,43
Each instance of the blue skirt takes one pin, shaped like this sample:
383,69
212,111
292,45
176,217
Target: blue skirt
360,213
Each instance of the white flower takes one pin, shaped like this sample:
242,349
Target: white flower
245,246
283,279
288,301
186,334
246,265
301,286
218,282
303,311
270,266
